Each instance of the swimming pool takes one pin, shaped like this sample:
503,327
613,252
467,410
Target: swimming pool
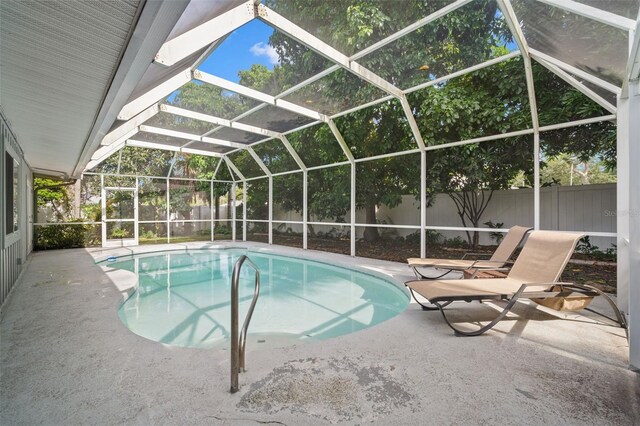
183,298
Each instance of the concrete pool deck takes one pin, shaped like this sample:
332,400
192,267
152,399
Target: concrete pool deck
67,359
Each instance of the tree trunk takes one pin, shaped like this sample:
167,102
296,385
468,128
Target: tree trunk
217,208
476,236
370,234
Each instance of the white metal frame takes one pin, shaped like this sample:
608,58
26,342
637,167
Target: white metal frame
208,35
350,64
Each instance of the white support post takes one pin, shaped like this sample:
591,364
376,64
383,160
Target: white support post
305,211
234,188
245,187
628,216
136,213
168,213
119,160
353,209
423,204
211,212
270,210
514,26
103,205
536,180
349,154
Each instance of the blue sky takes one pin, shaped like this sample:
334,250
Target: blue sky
244,47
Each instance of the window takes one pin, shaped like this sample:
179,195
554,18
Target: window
12,177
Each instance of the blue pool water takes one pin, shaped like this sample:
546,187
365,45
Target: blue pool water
183,299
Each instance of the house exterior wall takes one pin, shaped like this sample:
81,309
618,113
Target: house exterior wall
15,246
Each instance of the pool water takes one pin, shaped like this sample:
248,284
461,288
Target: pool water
183,299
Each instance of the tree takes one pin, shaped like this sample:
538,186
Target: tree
467,36
566,170
54,194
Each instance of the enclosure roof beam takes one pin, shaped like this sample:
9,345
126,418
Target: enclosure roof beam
255,94
416,25
204,34
215,171
258,160
576,71
408,112
233,167
103,153
411,28
579,86
126,128
170,109
340,139
189,136
155,94
153,145
633,64
593,13
293,153
324,49
514,26
464,71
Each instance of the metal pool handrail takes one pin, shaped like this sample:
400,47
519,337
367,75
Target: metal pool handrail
238,344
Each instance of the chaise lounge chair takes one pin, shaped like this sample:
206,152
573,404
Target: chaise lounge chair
498,260
534,275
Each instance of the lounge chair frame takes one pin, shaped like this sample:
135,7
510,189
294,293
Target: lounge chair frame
477,265
566,290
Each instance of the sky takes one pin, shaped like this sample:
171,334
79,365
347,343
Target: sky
244,47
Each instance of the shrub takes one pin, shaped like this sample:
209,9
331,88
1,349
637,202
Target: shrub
62,236
584,246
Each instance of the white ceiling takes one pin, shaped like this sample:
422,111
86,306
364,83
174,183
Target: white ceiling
57,60
67,67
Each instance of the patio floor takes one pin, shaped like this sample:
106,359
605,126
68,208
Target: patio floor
67,359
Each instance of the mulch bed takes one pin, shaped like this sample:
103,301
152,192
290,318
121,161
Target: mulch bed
601,275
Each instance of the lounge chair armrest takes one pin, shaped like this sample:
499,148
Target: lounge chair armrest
475,254
498,263
501,269
548,284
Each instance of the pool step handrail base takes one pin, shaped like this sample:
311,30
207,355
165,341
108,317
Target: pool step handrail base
238,342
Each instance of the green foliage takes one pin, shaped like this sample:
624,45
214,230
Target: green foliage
63,236
569,170
584,246
53,194
490,101
119,233
455,242
496,236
